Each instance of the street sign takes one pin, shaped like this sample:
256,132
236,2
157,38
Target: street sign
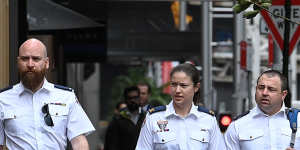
263,28
276,24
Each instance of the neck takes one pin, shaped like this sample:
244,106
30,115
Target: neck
271,111
33,87
182,110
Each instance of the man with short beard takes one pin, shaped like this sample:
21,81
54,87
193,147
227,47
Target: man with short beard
36,114
145,93
123,131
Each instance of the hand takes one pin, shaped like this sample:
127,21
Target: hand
290,149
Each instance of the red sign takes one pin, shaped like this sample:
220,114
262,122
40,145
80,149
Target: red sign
271,50
276,24
166,68
243,53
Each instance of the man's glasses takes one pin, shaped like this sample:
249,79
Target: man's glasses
47,118
133,97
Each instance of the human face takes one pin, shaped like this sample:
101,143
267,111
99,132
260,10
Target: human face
132,101
182,89
32,64
268,95
144,94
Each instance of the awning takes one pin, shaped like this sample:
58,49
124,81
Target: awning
45,15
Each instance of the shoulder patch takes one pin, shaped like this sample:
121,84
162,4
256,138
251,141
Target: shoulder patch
205,110
63,87
157,109
242,115
5,89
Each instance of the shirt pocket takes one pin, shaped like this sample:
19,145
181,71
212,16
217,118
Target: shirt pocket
248,138
165,140
59,116
200,139
15,123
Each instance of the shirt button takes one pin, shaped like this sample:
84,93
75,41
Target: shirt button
163,140
203,140
250,137
56,114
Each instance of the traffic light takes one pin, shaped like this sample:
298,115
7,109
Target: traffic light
224,121
175,8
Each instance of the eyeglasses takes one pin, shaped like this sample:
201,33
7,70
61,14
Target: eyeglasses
181,85
47,118
133,97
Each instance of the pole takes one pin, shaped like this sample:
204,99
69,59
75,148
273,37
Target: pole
239,32
206,54
285,53
182,17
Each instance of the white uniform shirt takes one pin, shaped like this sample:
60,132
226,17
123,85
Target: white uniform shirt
22,120
197,131
258,131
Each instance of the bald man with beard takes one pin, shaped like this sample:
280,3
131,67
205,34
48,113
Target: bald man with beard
36,114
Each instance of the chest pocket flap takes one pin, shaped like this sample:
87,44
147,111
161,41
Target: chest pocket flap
7,115
288,132
58,110
164,137
250,135
202,136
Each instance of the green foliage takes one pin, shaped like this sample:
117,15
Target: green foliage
250,14
135,76
257,6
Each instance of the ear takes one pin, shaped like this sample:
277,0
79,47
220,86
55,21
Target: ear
197,87
47,62
284,93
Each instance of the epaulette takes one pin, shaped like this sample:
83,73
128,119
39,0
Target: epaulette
63,87
242,115
205,110
5,89
157,109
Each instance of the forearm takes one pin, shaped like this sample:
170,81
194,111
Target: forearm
79,143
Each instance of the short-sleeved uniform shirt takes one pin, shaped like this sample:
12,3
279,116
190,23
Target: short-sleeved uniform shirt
22,120
165,130
258,131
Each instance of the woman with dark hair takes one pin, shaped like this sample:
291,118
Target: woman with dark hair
181,125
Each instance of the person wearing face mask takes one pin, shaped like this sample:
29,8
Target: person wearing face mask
36,114
122,132
181,125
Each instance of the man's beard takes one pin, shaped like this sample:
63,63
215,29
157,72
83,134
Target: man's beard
32,80
132,106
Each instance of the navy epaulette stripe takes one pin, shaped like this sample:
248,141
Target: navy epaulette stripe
157,109
203,109
242,115
63,87
5,89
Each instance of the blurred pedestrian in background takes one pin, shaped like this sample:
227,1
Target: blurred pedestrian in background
119,107
145,93
181,125
122,132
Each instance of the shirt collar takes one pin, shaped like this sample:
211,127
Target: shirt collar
257,111
171,111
